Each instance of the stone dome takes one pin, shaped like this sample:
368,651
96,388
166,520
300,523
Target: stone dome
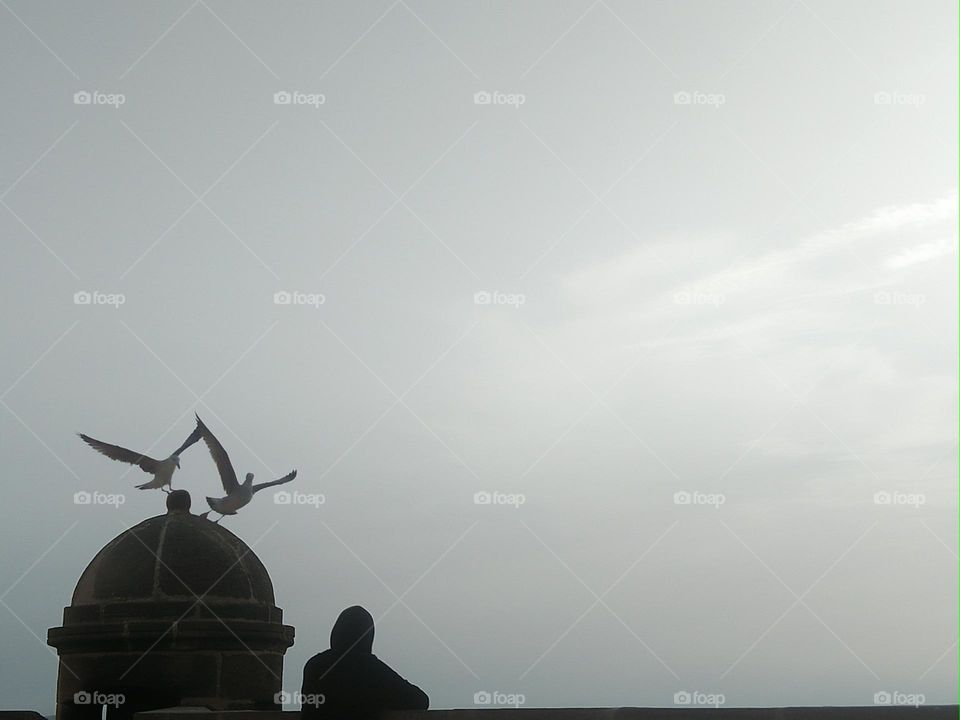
171,557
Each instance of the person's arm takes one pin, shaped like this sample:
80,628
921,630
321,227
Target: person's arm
395,692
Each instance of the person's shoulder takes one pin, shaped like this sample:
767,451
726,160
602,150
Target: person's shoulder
380,668
372,659
318,656
321,659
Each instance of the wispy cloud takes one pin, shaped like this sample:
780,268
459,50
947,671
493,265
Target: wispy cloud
922,252
821,283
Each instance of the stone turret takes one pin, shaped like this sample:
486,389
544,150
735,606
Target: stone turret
175,611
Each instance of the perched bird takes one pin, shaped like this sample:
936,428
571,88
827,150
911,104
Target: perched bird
162,470
237,494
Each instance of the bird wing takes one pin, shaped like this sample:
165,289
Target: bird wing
194,437
228,475
115,452
285,479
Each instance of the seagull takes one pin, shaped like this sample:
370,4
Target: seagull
238,494
162,470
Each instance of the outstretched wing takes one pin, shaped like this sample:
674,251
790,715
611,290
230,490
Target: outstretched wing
115,452
194,437
285,479
227,474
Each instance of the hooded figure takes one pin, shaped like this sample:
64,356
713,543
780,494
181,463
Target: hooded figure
349,682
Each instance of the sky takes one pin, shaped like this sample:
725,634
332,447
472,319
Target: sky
615,343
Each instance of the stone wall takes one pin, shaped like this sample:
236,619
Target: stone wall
924,712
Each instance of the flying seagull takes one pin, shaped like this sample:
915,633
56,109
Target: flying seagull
162,470
237,494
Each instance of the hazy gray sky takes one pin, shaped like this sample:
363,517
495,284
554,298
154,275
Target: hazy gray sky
718,241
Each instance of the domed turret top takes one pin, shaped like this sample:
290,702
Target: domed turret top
175,557
174,611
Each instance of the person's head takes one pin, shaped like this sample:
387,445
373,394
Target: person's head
353,631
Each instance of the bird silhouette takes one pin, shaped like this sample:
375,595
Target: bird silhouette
162,470
237,494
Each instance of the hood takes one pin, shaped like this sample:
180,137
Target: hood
353,631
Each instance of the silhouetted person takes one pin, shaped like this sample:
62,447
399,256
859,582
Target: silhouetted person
354,684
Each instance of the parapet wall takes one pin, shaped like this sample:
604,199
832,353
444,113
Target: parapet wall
924,712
